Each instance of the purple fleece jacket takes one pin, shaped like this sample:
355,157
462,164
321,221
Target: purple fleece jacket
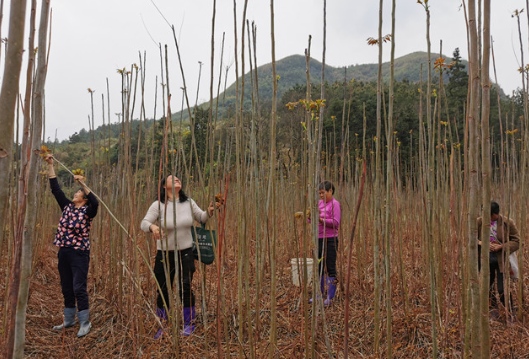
331,213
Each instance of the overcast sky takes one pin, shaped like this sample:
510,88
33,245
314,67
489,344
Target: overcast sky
92,39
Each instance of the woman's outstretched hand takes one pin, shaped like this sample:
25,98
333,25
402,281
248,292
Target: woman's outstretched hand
51,171
49,158
212,207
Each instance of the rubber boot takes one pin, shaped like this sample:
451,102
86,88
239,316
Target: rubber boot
84,321
69,319
189,320
322,288
162,314
331,290
494,315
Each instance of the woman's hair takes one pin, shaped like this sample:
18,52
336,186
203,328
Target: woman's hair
494,208
85,196
327,186
182,197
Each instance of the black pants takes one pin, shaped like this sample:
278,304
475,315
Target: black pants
495,274
327,248
73,270
186,268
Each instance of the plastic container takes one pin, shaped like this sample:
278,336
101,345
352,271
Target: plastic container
297,270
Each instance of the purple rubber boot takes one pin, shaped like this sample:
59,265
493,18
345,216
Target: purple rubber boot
189,320
323,278
331,290
162,314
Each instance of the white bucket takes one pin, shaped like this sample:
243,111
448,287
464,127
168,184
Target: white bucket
297,270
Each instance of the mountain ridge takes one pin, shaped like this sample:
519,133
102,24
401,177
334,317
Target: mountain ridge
291,71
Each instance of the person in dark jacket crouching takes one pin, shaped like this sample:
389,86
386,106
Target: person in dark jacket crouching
73,240
504,238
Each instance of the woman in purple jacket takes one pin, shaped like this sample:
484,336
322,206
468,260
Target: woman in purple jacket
329,222
73,240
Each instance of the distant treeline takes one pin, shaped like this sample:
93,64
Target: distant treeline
346,104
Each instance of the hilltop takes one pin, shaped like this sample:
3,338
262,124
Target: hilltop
291,72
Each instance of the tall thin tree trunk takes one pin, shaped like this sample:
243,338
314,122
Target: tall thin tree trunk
309,173
525,164
318,178
18,218
430,192
389,183
502,154
1,19
322,88
473,116
32,205
376,191
272,191
8,96
349,259
486,172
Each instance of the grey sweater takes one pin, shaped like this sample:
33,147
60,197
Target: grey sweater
177,234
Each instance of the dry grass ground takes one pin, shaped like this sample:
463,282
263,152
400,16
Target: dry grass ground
115,334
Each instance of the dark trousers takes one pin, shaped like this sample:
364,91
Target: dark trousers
186,268
496,275
73,270
327,248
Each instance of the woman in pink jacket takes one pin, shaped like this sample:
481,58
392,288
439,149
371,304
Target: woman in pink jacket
329,222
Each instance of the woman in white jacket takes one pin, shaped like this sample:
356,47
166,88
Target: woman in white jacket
173,236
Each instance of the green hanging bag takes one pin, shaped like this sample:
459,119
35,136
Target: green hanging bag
204,243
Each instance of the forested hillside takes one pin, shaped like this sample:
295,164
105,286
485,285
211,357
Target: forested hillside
346,104
292,72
